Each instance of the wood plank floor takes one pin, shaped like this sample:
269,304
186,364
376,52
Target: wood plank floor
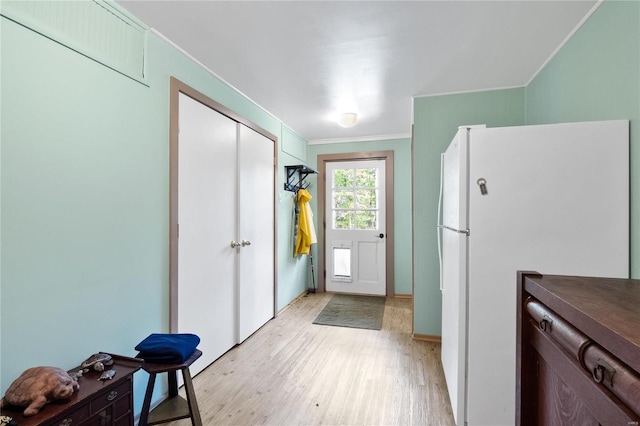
293,372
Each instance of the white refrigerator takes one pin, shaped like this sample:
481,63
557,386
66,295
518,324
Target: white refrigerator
549,198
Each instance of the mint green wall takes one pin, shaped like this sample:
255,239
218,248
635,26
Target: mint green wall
596,76
436,120
293,273
84,182
85,197
402,198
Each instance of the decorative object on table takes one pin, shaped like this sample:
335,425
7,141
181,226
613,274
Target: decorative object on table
96,402
75,375
161,348
38,386
7,421
97,362
107,375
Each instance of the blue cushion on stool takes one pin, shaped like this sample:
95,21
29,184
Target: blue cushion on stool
167,348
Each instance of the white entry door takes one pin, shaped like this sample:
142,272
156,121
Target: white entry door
207,224
355,231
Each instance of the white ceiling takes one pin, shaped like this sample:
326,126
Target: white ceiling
300,60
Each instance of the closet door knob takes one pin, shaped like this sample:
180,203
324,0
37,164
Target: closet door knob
246,243
235,244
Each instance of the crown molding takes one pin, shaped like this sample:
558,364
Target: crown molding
360,139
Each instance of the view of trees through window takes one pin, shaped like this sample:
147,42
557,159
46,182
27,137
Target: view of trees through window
355,199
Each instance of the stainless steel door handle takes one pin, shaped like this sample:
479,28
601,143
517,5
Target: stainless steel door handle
246,243
235,244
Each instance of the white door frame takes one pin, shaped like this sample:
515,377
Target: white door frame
323,159
177,87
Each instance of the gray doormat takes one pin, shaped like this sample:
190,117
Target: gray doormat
346,310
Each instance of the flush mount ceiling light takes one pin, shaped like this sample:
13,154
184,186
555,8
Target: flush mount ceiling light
347,119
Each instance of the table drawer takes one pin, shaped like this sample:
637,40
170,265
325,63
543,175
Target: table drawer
72,419
122,406
614,375
552,324
110,396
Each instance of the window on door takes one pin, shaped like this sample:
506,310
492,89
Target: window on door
355,194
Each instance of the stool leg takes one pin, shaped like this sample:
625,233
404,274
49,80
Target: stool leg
144,414
191,398
172,377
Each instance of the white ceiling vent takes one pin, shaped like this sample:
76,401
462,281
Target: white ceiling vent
98,29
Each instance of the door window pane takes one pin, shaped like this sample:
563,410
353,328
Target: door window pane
343,178
355,199
343,199
367,220
343,219
366,199
367,178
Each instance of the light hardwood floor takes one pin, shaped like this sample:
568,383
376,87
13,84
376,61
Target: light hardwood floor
293,372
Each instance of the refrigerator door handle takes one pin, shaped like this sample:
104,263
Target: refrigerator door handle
467,232
439,230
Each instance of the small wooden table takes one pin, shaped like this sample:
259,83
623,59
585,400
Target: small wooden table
174,407
108,402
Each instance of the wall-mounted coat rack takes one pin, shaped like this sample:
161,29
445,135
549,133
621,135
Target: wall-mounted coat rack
302,171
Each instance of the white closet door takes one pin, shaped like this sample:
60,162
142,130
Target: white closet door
207,224
256,231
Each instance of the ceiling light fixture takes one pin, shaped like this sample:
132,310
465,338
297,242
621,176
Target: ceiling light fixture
347,119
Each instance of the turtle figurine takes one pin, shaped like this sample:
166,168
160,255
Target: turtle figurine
97,362
38,386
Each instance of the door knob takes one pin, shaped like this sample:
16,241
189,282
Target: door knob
381,235
235,244
246,243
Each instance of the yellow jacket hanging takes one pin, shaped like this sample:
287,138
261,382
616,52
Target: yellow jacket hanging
306,232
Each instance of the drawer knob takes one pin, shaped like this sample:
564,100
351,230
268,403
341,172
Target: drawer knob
545,323
600,368
66,422
112,395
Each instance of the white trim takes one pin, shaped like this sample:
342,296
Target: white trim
413,104
213,73
464,92
122,11
290,130
360,139
565,41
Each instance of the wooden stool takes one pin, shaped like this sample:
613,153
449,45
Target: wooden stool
174,407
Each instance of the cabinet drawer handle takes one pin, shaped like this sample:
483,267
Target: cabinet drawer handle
599,369
112,395
66,422
545,323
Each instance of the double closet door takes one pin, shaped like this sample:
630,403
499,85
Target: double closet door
225,236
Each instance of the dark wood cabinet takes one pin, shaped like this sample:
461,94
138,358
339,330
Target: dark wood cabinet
96,403
578,351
